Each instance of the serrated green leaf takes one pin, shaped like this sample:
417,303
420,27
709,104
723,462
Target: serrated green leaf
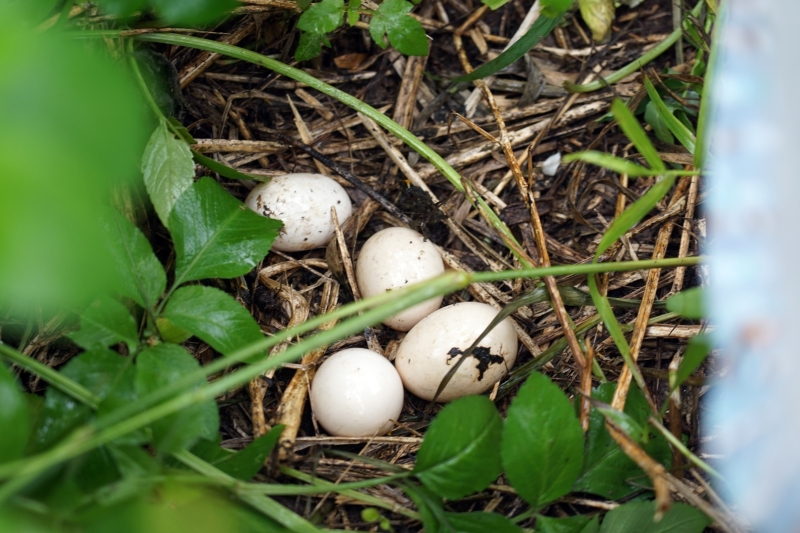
606,470
542,442
310,45
540,29
696,352
638,517
689,303
633,214
14,417
598,15
636,134
322,17
213,316
405,33
570,524
459,454
142,278
215,235
156,368
100,371
168,170
652,117
192,12
479,522
681,132
613,163
246,463
105,323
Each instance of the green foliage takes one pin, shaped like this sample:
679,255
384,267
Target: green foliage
542,445
606,470
242,465
571,524
105,323
459,454
159,366
69,132
480,523
391,19
638,517
215,235
689,303
405,33
141,276
214,316
675,126
696,352
168,170
175,12
14,417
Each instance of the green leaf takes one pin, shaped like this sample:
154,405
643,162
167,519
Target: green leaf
613,163
689,303
104,323
352,11
214,316
215,235
168,170
170,332
480,523
156,368
652,117
429,505
494,4
310,46
542,445
696,352
607,471
14,417
142,278
554,8
459,454
224,170
540,29
598,15
100,371
571,524
245,464
633,214
636,134
322,17
681,132
404,32
192,12
637,517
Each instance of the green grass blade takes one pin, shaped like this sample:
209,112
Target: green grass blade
540,29
681,132
636,212
224,170
616,164
634,131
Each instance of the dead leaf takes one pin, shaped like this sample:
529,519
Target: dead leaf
349,61
598,15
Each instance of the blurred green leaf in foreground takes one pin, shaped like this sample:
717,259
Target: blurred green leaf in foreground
70,133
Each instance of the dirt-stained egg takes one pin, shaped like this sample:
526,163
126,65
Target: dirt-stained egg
356,393
394,258
303,203
434,345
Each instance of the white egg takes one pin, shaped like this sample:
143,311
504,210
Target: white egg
394,258
431,348
303,203
356,393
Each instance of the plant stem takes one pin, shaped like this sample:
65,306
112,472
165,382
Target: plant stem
683,449
637,64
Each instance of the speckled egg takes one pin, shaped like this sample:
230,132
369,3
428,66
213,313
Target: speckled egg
394,258
303,203
435,344
356,393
